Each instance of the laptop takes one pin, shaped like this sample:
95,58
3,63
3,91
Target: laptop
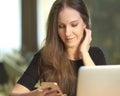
101,80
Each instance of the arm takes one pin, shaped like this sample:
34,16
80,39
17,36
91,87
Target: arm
20,90
27,81
87,60
25,85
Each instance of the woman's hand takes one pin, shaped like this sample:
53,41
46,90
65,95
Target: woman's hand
48,92
85,43
84,48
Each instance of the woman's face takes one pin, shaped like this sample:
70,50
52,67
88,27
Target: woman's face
70,27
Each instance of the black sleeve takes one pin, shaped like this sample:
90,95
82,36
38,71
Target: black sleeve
30,76
97,56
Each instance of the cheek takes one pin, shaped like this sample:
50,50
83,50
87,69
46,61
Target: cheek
82,33
61,35
79,32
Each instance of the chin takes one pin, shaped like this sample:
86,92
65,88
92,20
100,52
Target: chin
70,45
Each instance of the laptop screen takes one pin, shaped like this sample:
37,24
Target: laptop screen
102,80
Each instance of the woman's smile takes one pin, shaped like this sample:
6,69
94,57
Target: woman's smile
71,39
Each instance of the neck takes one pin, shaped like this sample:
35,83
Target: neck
73,53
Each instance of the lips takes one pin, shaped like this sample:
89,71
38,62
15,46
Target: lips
69,39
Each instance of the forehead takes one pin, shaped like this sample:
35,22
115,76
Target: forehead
68,14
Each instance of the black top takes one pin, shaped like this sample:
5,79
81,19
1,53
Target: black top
31,76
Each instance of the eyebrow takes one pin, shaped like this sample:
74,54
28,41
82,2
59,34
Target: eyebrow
71,21
75,21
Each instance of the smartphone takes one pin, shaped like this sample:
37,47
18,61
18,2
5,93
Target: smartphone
52,85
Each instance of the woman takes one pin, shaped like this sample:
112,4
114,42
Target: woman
66,48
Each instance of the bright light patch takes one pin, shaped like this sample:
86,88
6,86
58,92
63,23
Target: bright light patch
10,25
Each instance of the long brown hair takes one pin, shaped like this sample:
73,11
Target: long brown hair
54,65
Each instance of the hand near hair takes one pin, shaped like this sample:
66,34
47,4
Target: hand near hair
85,43
84,48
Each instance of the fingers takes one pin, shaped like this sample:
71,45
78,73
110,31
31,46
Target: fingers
88,33
43,91
88,38
48,92
85,44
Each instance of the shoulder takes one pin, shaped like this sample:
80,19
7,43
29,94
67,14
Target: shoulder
97,55
35,59
95,51
37,55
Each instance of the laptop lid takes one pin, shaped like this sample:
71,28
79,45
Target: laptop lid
99,80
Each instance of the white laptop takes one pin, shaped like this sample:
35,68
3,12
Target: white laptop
99,80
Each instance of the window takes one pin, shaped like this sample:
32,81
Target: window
10,25
43,7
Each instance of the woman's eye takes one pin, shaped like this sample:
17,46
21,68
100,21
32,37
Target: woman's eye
74,25
61,26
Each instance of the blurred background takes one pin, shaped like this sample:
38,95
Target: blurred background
22,30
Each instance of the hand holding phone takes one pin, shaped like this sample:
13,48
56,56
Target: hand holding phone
53,86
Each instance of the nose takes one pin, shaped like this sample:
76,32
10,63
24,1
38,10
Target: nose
68,31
